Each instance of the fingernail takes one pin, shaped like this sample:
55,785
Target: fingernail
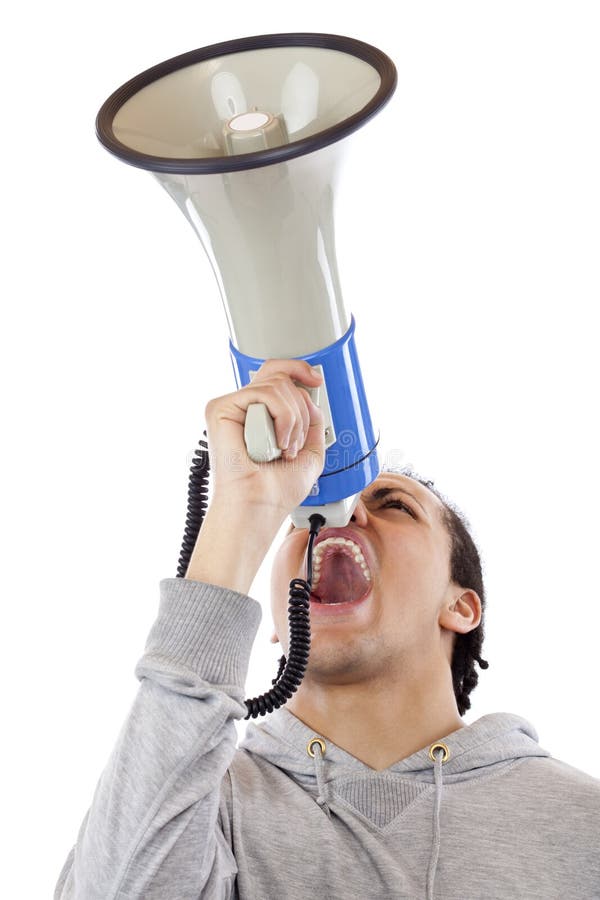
315,372
292,451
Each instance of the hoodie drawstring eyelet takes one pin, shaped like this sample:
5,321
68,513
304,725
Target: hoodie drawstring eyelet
439,746
439,753
316,748
315,740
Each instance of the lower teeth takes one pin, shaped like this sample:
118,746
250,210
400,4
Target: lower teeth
330,602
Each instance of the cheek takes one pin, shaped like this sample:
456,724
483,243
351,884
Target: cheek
414,576
409,568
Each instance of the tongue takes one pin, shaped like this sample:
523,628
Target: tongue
341,579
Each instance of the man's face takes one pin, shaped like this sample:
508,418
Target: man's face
399,625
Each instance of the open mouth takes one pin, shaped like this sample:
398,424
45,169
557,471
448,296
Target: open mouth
341,578
318,608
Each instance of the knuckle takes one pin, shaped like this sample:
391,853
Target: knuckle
280,378
263,385
275,391
272,365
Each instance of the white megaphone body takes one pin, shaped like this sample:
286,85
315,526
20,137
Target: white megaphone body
247,137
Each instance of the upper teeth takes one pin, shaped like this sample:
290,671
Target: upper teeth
320,548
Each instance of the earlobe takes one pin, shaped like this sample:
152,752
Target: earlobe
274,639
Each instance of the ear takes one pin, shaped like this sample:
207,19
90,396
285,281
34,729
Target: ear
461,613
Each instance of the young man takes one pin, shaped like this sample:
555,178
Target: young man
368,783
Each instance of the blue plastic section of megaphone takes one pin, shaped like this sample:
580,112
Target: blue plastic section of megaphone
351,463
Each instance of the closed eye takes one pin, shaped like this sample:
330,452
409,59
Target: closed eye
400,505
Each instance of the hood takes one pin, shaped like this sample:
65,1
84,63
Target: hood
490,743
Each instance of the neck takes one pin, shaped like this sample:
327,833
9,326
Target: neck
384,720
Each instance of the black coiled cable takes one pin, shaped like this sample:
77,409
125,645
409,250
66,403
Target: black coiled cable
291,671
197,503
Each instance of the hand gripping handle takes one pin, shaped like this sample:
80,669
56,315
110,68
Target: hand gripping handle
259,429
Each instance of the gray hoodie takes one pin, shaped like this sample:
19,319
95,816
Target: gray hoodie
180,814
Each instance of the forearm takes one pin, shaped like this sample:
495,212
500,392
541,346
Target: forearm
153,818
232,544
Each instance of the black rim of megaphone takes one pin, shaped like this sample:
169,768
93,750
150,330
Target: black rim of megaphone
375,57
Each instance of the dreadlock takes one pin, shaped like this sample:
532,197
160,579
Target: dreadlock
465,570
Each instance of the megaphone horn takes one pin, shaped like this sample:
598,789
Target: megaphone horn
247,137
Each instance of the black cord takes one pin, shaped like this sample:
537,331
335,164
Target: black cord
291,671
197,505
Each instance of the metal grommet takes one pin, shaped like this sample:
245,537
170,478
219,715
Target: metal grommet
315,740
440,746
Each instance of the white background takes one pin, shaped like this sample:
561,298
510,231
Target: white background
468,249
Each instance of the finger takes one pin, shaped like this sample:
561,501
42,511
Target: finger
235,407
315,438
301,418
298,398
303,403
297,369
287,371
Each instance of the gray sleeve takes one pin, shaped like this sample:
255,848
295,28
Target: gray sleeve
152,829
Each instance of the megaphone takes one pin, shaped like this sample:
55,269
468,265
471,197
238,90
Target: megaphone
247,136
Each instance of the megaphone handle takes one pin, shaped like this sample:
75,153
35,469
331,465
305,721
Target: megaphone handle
259,434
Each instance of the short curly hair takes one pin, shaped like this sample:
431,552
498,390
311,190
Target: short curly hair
465,570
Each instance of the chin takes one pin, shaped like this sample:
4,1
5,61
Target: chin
345,661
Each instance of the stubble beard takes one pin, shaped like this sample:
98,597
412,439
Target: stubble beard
358,658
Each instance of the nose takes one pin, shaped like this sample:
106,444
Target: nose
359,517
